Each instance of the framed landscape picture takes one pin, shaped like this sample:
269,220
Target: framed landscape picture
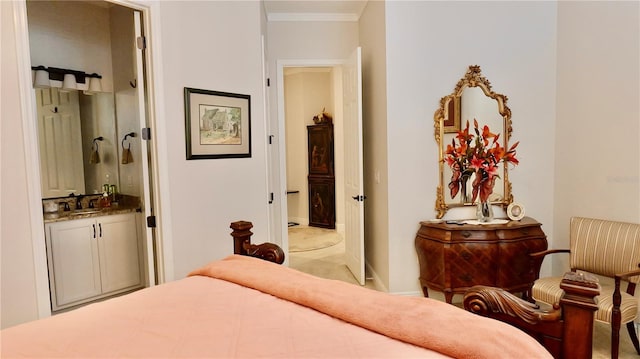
217,124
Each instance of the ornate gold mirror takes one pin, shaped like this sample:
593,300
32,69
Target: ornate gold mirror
474,104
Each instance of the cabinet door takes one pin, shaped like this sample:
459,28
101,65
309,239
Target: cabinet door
322,200
119,252
320,152
74,267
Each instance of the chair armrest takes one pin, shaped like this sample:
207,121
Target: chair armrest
537,258
625,276
629,274
549,251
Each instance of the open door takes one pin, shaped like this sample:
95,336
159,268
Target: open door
353,164
147,235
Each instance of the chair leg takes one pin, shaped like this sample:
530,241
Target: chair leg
615,340
634,337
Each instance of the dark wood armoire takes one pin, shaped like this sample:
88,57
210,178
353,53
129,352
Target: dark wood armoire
322,197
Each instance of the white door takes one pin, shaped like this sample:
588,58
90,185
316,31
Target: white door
354,193
147,234
60,142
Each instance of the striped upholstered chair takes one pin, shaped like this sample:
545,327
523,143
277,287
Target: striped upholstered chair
608,249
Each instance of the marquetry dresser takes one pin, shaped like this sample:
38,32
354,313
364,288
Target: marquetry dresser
455,257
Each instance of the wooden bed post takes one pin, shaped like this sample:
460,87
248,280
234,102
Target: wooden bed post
242,244
578,305
241,235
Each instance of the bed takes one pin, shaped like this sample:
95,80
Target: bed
245,307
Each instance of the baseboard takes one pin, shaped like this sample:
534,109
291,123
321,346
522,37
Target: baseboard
379,285
377,282
299,221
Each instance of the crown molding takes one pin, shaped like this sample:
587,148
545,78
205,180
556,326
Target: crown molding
313,17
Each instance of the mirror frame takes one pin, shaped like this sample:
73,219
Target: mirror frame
472,78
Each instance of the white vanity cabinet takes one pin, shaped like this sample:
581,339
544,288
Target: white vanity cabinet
92,258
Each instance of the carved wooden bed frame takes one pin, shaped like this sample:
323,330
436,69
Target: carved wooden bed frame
242,244
565,331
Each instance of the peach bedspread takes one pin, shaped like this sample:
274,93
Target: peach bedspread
201,316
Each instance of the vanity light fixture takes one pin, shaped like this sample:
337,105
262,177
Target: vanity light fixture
40,77
95,84
66,80
69,83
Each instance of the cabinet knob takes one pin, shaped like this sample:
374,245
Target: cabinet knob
466,234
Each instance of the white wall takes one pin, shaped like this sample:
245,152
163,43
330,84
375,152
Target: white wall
597,127
376,185
18,296
212,45
429,47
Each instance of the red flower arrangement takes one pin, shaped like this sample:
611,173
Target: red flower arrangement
480,154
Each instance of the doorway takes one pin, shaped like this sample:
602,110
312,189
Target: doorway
128,102
315,222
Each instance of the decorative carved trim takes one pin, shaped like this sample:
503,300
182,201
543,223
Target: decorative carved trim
242,244
565,333
267,251
485,300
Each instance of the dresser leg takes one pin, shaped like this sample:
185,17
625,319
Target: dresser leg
425,291
448,297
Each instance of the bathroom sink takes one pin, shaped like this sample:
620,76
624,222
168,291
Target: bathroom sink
78,212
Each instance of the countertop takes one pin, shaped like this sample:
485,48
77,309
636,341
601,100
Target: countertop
51,217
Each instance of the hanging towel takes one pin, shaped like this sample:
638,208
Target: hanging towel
127,157
95,155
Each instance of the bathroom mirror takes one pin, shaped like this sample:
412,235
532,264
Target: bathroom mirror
78,142
471,99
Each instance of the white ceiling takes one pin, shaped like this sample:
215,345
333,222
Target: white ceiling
314,10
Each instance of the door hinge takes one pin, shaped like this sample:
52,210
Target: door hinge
359,198
270,137
268,82
146,133
141,42
151,221
271,197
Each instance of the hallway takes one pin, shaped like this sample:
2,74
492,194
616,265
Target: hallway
325,262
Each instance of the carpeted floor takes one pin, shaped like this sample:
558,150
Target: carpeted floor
329,263
305,238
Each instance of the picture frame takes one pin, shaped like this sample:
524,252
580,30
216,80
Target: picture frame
515,211
217,124
451,121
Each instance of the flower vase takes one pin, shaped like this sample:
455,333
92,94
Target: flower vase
464,195
484,211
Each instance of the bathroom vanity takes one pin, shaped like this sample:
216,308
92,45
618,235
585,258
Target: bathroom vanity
93,254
